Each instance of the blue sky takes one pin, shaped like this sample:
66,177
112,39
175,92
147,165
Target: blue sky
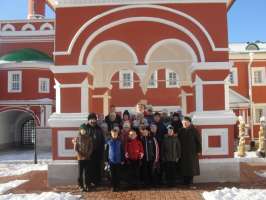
246,19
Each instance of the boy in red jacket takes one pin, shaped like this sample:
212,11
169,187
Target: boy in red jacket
134,153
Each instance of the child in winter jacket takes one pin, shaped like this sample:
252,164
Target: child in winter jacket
84,147
134,153
150,158
115,155
171,152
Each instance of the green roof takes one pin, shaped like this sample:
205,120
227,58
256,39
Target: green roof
26,55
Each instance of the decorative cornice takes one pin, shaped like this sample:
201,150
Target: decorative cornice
71,69
76,3
25,65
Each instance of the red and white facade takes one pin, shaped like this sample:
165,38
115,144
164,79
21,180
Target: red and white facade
172,54
108,55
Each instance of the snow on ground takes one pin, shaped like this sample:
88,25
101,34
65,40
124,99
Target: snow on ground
235,194
10,185
261,173
19,169
19,154
42,196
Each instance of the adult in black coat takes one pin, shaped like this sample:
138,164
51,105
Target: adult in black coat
98,141
190,150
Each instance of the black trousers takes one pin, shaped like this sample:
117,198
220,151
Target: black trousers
83,173
134,172
170,172
188,180
115,174
95,168
147,172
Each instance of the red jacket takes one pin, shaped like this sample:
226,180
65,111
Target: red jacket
134,149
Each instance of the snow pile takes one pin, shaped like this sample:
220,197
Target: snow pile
235,194
42,196
18,169
261,174
10,185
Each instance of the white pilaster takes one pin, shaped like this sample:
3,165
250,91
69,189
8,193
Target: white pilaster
85,96
57,96
226,95
199,94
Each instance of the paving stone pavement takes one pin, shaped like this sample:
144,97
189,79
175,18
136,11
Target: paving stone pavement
38,183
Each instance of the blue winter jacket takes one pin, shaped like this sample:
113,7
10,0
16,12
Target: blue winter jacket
115,151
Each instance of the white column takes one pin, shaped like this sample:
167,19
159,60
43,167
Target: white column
226,95
42,115
57,96
48,112
184,102
199,94
85,96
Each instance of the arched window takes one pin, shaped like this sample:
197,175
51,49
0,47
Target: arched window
28,27
46,27
252,47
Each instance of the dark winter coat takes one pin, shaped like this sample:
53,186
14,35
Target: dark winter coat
161,131
98,141
134,148
114,151
151,148
190,147
171,148
84,147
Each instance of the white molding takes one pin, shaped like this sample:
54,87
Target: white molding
28,27
209,82
61,137
9,85
67,120
24,65
31,39
27,33
139,19
121,75
47,81
211,66
244,102
57,96
73,3
172,41
132,109
28,102
199,94
226,96
223,133
95,50
85,96
65,69
46,25
8,27
216,117
27,21
159,7
183,96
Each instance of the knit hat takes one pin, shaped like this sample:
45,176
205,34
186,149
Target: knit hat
92,116
176,115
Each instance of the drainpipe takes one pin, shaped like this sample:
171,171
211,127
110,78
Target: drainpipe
250,94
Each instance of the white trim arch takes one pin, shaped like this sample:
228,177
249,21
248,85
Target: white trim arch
139,19
181,43
28,26
121,8
8,27
96,49
46,27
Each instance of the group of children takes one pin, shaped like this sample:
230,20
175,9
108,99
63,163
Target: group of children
144,155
